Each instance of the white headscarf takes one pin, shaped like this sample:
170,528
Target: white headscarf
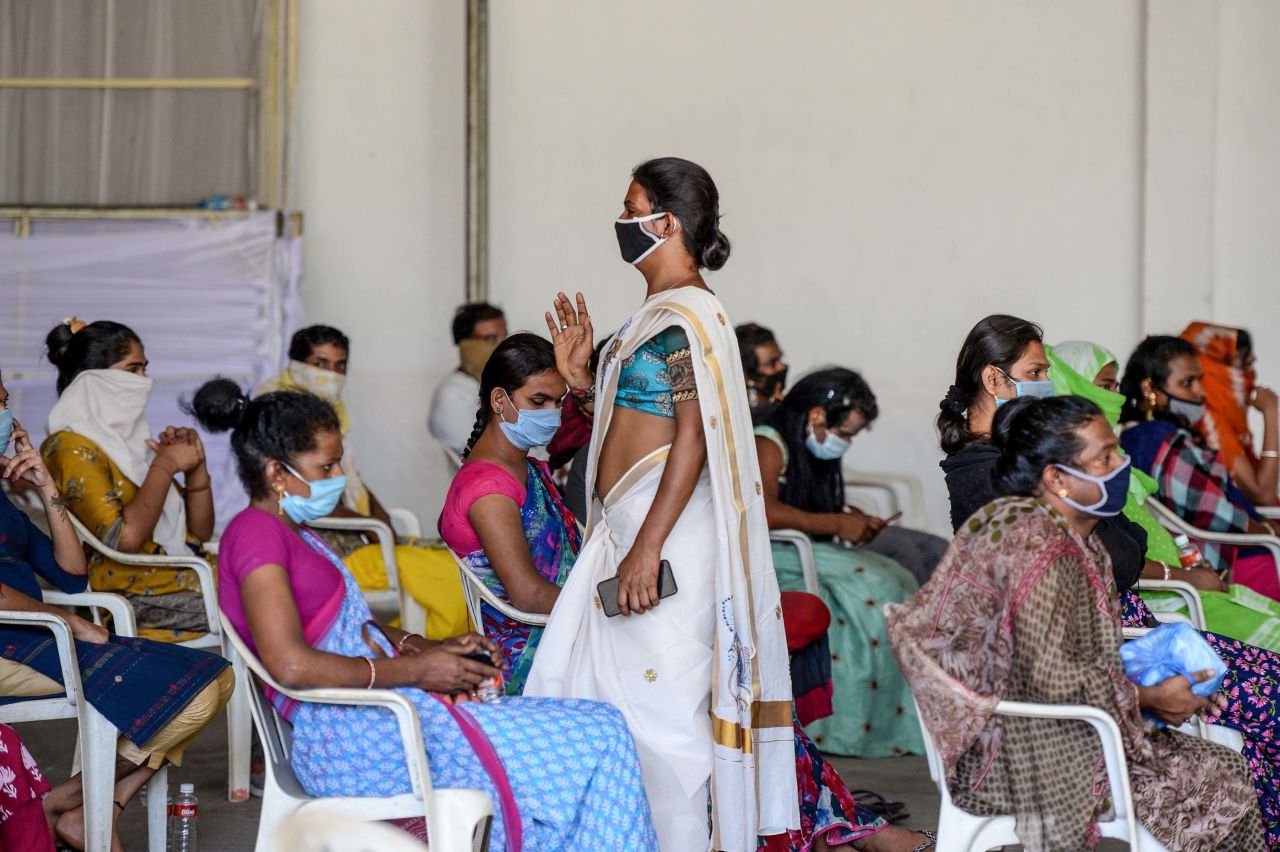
109,408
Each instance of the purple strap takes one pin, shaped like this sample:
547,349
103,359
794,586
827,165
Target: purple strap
492,764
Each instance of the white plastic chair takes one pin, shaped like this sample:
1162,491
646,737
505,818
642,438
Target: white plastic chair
319,831
97,739
475,592
457,820
961,831
1184,590
238,723
1173,522
1271,513
413,617
804,549
902,492
451,460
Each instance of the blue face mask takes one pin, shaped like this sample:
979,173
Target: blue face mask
6,428
533,427
325,494
829,449
1040,390
1114,487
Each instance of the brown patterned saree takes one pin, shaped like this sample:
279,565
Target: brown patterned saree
1023,609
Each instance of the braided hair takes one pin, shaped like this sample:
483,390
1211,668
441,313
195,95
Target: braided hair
516,360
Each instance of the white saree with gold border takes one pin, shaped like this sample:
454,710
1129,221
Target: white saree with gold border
703,679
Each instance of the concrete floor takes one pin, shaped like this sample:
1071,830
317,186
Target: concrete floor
227,827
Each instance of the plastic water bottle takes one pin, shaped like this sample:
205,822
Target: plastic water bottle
1188,554
182,820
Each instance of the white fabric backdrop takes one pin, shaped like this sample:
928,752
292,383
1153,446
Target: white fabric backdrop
206,298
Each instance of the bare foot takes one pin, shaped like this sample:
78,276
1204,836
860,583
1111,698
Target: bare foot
892,839
70,829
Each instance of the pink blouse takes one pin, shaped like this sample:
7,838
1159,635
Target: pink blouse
476,479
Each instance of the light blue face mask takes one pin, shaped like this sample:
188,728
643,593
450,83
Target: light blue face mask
325,494
830,448
6,428
533,427
1040,390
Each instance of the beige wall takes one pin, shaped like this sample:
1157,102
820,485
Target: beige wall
890,172
380,176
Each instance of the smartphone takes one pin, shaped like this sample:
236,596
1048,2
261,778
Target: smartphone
607,590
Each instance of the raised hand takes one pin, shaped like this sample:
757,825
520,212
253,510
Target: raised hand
573,339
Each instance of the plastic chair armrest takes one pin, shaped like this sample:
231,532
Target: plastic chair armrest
406,718
804,549
1182,589
1108,732
406,522
386,541
121,610
470,580
62,639
1271,513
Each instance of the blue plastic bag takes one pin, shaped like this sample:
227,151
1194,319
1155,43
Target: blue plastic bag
1170,650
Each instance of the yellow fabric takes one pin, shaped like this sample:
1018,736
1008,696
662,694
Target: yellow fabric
172,740
97,492
430,576
19,680
286,382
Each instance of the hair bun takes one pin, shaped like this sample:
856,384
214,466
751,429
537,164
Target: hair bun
219,405
57,341
716,251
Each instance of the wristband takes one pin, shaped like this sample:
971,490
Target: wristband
584,395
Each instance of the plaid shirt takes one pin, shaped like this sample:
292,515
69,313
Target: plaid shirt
1193,482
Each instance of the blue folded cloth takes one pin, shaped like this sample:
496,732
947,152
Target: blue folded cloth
1170,650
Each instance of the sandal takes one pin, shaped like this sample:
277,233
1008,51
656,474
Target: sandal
931,840
891,812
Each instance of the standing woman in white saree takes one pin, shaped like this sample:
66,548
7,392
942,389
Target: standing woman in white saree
701,676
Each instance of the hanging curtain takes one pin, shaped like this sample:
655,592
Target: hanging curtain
207,299
127,147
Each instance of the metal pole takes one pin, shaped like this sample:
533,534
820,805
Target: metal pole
477,150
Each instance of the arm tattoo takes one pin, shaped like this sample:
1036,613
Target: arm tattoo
56,502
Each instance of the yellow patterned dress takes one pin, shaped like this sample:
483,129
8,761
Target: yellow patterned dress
166,601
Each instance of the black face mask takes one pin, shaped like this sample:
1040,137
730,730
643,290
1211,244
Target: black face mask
767,387
635,242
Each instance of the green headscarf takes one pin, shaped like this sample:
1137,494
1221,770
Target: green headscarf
1073,365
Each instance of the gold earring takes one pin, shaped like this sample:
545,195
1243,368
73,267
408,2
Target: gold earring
1150,398
279,497
1062,492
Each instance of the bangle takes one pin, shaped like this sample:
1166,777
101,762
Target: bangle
196,489
373,671
1271,454
405,638
584,395
1166,572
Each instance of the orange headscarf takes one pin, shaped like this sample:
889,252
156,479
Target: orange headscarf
1227,388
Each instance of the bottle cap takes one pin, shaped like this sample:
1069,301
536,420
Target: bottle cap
1181,540
185,789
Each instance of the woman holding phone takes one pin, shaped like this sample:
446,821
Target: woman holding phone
701,676
801,446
